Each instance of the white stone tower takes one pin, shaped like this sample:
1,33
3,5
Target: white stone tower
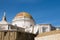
4,23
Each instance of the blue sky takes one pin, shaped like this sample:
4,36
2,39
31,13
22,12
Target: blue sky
43,11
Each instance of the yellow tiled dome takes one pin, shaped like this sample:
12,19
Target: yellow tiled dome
23,14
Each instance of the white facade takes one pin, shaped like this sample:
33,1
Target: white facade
40,28
44,28
4,27
25,21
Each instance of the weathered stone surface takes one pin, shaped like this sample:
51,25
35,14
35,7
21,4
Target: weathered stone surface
16,35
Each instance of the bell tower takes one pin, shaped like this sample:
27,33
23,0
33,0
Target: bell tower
3,23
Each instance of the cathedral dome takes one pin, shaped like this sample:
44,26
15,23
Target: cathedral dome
23,14
23,19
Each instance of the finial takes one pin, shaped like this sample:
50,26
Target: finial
4,13
4,16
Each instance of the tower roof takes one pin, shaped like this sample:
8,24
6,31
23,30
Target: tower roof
4,21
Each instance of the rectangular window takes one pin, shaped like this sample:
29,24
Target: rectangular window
44,29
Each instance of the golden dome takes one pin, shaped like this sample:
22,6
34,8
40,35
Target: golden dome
23,14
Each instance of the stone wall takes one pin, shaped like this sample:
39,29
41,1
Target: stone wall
52,35
16,35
